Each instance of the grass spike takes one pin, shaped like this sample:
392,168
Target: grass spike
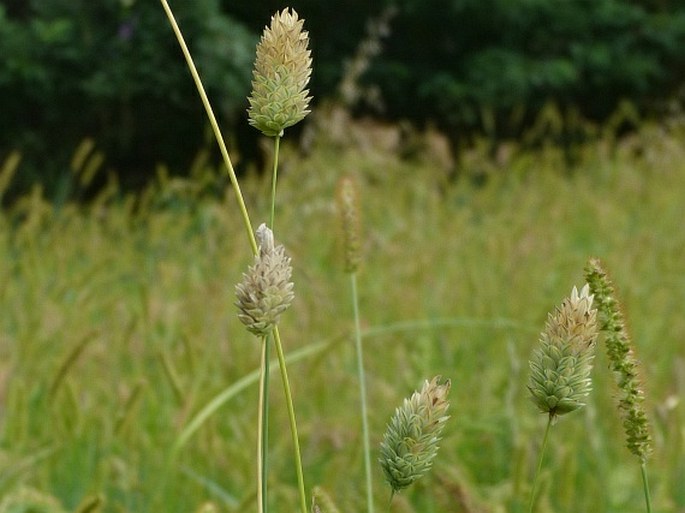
622,360
281,73
410,443
561,364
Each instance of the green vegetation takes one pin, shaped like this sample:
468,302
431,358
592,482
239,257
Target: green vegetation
492,64
125,384
118,327
108,70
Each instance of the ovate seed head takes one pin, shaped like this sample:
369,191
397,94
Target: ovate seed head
410,443
281,73
561,364
266,290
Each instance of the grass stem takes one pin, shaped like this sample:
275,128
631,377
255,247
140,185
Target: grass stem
645,486
265,370
539,468
274,178
215,126
362,393
263,429
291,417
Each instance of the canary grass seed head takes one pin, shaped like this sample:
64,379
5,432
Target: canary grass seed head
410,443
561,363
266,290
281,73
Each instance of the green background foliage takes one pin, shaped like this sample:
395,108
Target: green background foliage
118,321
118,326
449,60
112,71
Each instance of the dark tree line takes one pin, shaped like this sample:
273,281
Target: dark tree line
112,69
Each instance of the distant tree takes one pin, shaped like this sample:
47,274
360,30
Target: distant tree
450,60
112,70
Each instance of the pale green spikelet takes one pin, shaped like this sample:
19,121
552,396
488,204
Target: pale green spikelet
410,443
322,502
622,360
348,208
561,364
282,69
266,290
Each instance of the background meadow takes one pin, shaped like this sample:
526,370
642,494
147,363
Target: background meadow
118,327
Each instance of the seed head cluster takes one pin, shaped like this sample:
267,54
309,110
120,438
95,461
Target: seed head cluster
561,364
349,215
622,360
281,73
266,290
410,443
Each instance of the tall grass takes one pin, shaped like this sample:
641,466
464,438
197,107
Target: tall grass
118,327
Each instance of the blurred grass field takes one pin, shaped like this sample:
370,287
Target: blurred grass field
118,327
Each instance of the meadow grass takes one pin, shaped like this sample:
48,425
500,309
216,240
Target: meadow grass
118,326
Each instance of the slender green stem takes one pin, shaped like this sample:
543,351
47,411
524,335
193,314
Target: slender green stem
264,383
362,393
214,124
274,177
263,430
542,455
265,414
293,422
645,486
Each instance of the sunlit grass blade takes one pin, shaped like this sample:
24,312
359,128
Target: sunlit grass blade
236,388
68,362
213,487
26,464
91,504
